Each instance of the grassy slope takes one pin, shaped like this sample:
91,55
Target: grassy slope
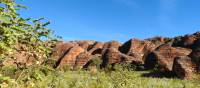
119,80
85,79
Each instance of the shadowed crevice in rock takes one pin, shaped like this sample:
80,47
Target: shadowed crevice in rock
96,48
97,51
151,61
126,47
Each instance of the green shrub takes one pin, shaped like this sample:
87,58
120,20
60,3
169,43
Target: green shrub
96,61
46,77
28,33
65,68
50,62
6,82
8,71
124,66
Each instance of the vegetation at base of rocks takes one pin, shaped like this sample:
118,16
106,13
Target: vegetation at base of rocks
47,77
95,61
123,76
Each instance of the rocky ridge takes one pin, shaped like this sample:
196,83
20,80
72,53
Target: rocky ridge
180,55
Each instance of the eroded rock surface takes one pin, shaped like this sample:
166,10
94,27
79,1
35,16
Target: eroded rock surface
70,57
184,67
137,48
61,48
164,56
82,59
113,56
85,44
96,48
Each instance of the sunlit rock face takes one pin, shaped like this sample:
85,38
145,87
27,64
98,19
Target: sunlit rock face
61,48
85,44
137,48
96,48
82,59
157,52
111,44
184,67
70,57
164,56
113,56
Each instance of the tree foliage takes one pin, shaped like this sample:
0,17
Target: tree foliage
25,34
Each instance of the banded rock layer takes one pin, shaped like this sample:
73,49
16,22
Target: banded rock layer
168,54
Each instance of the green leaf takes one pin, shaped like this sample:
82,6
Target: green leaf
1,9
19,29
5,19
47,23
37,20
21,6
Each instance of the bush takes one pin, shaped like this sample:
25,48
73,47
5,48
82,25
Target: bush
96,61
8,71
23,34
124,67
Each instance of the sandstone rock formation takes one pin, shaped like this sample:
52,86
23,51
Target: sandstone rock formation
113,56
184,67
137,48
185,41
70,57
85,44
195,55
110,44
96,48
164,56
82,59
60,49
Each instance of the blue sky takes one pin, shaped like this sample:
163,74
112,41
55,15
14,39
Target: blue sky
105,20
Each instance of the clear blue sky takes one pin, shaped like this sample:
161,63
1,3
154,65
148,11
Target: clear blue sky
105,20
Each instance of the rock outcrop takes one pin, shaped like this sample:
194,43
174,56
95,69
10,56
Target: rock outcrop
110,44
137,48
96,48
85,44
164,56
70,57
184,67
82,59
195,55
61,48
113,56
179,55
185,41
